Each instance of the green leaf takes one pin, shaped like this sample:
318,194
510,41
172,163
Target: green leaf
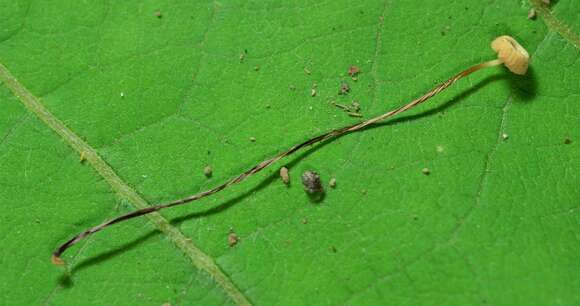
150,99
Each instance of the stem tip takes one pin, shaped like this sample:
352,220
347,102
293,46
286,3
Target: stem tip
57,261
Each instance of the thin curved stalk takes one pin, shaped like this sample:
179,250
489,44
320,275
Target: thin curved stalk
264,164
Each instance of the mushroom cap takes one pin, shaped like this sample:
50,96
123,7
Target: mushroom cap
512,54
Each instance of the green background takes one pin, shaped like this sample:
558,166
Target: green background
496,222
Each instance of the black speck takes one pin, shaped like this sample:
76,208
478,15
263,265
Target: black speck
344,88
567,141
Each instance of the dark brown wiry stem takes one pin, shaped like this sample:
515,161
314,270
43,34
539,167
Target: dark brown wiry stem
261,166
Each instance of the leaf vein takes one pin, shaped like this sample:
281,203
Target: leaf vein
198,258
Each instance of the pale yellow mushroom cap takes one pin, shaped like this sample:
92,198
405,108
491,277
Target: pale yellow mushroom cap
512,54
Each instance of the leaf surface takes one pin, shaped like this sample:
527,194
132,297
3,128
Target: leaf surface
156,97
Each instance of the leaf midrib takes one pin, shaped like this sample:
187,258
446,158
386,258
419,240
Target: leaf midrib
198,258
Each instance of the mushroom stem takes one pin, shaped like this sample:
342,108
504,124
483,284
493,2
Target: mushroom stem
261,166
495,62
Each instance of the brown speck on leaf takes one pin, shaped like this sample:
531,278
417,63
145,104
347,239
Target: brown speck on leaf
353,114
313,90
505,136
304,221
353,71
207,171
292,87
232,239
242,57
546,2
567,141
344,88
82,158
166,304
253,139
426,171
356,106
307,71
532,14
158,14
256,68
285,175
332,183
333,249
311,182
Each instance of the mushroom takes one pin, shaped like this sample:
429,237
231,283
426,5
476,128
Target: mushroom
511,54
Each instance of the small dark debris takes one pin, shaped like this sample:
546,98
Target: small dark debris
207,171
292,87
285,175
304,221
532,14
311,182
313,90
333,249
344,88
158,14
426,171
353,71
567,141
256,68
307,71
232,239
332,183
341,106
